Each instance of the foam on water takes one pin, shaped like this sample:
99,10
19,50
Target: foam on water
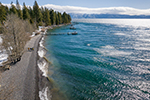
111,51
119,34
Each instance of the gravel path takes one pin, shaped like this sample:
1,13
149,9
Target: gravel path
21,81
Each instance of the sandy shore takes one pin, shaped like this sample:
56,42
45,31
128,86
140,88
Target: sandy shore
21,81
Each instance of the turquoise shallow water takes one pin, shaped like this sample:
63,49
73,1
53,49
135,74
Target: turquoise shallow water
108,59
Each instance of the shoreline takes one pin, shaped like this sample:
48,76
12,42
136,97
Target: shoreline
24,80
47,90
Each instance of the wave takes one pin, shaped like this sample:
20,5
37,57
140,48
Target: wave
119,34
111,51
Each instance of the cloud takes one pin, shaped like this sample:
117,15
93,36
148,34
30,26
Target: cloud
108,10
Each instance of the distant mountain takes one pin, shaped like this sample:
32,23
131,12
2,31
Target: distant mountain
73,15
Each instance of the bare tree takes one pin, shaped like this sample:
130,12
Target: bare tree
14,37
29,28
15,34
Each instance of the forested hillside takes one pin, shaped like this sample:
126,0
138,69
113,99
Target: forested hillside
35,15
18,22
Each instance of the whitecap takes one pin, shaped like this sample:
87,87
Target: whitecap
111,51
108,47
142,48
88,44
144,40
119,34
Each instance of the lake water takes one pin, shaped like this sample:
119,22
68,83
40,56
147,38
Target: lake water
108,59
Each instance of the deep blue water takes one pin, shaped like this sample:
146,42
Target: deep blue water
108,59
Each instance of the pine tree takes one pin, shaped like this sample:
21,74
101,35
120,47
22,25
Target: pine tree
32,17
47,19
65,18
7,9
41,16
20,14
13,9
59,18
42,12
25,12
53,17
2,13
37,13
69,18
17,5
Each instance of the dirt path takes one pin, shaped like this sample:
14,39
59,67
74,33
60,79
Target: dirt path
20,81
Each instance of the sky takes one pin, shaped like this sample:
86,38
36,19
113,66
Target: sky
138,4
129,7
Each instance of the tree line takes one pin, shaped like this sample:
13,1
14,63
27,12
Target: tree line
17,24
39,16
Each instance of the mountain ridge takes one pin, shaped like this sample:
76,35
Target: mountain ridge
73,15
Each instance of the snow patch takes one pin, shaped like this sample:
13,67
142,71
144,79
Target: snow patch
41,53
41,42
42,63
44,94
43,66
1,40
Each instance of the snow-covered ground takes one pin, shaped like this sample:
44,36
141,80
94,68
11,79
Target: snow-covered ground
3,55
